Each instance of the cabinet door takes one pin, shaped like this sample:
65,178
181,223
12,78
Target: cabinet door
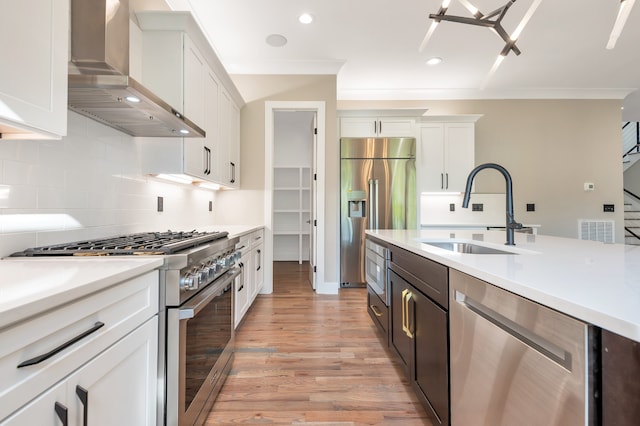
431,366
459,154
430,162
227,169
354,127
120,384
33,75
211,111
358,127
201,154
396,127
258,270
401,341
241,289
193,83
42,410
234,145
445,156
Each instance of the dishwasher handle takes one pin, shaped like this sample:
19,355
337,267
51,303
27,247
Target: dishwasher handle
526,336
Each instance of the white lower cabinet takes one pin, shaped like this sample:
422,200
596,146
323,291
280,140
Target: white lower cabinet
116,388
242,289
257,261
250,281
102,349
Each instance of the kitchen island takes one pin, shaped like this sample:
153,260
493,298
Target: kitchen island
521,323
591,281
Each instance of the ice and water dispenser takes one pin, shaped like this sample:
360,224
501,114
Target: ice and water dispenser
357,203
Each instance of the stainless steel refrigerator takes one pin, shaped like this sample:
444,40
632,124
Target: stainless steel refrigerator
377,191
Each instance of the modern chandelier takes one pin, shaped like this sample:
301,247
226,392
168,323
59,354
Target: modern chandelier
492,20
479,20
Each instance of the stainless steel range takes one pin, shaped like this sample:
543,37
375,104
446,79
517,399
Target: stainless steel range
196,332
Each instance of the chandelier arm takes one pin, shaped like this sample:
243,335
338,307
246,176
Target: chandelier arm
463,20
510,44
500,11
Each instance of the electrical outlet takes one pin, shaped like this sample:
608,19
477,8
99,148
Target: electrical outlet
160,204
608,208
531,207
477,207
452,207
210,206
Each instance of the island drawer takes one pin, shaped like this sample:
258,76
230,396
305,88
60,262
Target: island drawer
430,277
378,311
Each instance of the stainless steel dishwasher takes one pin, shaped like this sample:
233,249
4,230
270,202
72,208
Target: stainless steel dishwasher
515,362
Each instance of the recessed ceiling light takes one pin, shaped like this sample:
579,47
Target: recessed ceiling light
133,99
276,40
305,18
434,61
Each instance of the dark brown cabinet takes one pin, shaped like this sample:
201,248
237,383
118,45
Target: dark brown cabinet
620,380
419,327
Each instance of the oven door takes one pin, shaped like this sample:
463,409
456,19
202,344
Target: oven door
376,273
199,350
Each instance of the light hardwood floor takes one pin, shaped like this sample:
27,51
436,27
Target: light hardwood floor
305,358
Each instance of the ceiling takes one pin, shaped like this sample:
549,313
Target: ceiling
372,47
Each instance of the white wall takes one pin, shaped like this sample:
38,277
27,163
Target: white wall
87,185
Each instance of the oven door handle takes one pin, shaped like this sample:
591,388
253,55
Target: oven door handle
199,302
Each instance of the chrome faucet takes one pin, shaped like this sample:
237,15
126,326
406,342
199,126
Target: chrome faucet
511,223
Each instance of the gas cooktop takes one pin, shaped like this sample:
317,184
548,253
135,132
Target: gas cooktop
145,243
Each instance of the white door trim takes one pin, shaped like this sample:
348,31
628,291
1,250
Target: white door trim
269,110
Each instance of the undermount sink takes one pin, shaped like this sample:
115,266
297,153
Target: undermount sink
467,248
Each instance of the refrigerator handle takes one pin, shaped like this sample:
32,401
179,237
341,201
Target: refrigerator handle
375,184
371,203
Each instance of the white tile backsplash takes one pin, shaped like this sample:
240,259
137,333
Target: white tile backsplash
87,185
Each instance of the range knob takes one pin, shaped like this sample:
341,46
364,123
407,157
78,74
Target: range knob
189,282
213,268
204,274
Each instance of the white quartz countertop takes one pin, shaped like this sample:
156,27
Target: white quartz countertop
233,230
29,286
595,282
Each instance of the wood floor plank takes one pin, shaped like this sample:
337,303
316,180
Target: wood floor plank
308,359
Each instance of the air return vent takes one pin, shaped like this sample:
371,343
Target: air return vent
596,230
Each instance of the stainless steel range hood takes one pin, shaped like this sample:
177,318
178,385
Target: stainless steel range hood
100,86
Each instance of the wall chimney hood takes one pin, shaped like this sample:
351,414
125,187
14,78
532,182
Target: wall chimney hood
100,86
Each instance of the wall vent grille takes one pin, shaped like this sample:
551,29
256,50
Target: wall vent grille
596,230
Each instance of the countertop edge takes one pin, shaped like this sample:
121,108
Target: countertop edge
32,308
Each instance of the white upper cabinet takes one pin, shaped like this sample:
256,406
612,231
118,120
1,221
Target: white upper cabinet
229,152
180,66
445,156
361,127
33,74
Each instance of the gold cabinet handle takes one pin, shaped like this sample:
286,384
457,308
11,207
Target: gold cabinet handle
407,299
376,311
404,310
